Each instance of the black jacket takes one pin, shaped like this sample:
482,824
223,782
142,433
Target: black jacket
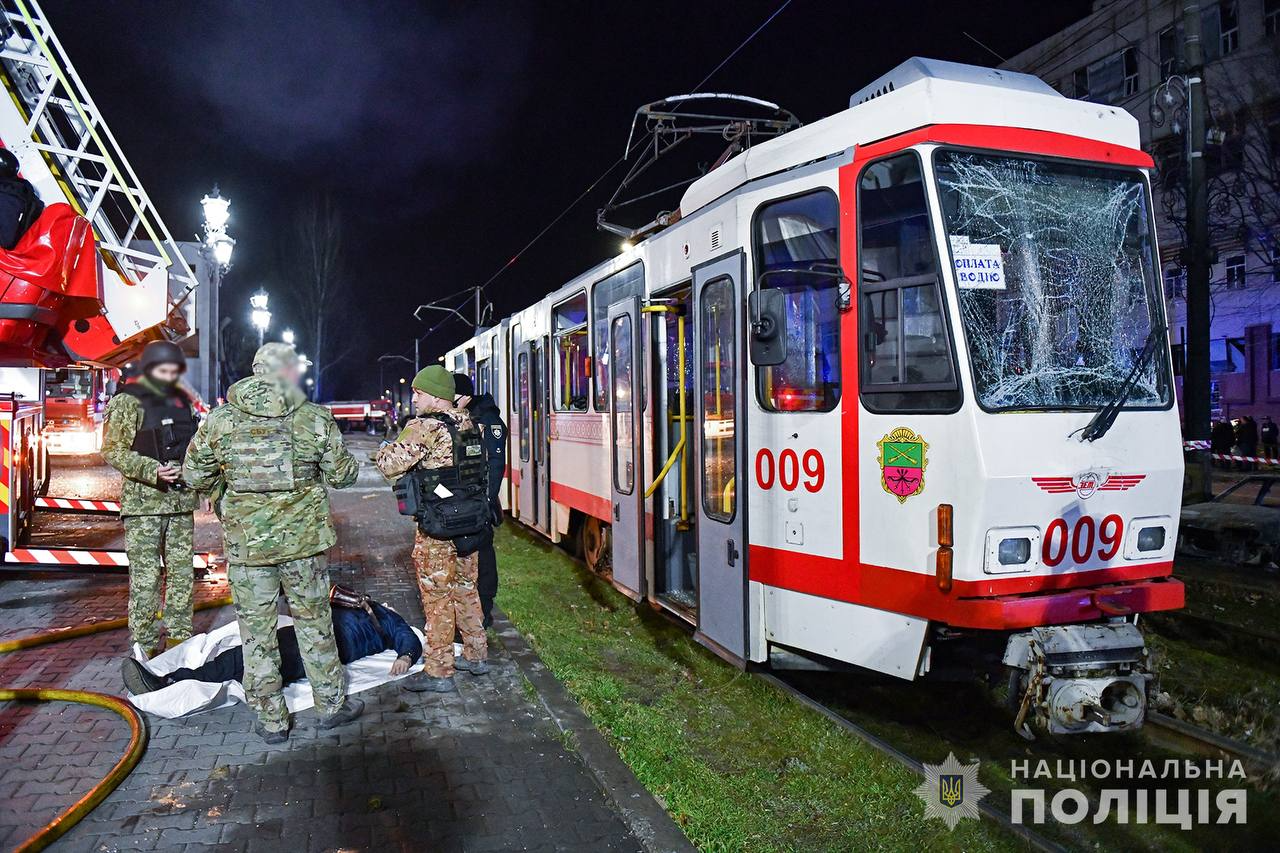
484,412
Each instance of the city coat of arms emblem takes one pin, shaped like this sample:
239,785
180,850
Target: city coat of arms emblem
903,458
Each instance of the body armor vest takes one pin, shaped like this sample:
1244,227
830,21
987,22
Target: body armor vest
465,509
168,423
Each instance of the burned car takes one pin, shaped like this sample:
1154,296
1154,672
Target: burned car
1240,525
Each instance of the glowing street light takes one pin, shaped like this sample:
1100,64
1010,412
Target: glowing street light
260,317
287,336
217,213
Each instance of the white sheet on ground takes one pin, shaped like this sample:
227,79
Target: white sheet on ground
195,697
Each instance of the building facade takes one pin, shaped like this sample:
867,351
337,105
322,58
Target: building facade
1124,53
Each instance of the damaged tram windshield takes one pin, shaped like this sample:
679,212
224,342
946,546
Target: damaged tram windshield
1055,273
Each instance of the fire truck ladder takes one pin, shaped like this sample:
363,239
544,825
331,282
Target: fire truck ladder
65,126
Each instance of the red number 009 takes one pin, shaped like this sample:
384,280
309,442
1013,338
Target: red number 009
786,469
1079,540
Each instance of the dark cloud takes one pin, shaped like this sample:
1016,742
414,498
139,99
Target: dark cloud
374,90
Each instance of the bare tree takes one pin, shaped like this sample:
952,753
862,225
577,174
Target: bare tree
320,287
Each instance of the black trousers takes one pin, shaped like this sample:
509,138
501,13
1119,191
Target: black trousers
229,666
487,581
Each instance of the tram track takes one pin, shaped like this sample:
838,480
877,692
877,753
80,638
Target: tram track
986,807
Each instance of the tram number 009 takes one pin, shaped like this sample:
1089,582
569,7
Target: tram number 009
790,470
1087,538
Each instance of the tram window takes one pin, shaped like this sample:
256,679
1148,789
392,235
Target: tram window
573,357
523,382
606,293
482,376
794,235
471,364
719,366
623,441
906,357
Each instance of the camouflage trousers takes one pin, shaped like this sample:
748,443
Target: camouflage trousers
306,585
449,599
159,549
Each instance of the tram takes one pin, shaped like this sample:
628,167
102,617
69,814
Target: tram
893,391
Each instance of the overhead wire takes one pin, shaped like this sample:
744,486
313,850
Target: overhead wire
616,163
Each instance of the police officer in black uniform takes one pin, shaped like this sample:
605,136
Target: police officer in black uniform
485,415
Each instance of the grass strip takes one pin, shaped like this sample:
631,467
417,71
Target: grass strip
737,764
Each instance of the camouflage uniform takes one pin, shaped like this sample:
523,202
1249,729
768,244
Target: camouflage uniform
158,527
272,453
447,582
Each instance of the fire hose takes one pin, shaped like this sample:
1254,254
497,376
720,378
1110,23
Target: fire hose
55,828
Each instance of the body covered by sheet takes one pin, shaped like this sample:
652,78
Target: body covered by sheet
194,697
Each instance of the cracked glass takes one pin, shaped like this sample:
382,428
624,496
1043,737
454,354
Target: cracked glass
1054,265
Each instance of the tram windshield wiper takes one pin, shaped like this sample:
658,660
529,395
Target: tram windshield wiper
1107,415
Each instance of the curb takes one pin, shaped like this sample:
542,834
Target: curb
639,810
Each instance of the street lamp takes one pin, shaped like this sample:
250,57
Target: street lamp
259,316
216,247
287,336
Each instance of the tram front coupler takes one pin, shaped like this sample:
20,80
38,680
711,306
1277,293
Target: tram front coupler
1079,678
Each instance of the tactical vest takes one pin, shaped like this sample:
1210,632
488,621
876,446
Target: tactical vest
168,423
466,478
260,457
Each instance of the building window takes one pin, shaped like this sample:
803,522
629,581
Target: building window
1229,27
1175,283
797,250
572,355
1179,352
1271,17
1080,83
1226,355
1275,351
1109,80
1168,50
1235,272
624,284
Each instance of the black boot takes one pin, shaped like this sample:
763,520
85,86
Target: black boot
138,679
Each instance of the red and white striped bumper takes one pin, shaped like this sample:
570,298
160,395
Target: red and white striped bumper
74,558
77,505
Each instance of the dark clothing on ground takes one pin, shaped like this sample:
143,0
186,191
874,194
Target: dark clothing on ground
356,634
484,413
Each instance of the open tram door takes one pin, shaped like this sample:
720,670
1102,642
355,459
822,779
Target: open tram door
626,442
720,444
532,499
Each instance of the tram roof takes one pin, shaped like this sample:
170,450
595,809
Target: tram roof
918,93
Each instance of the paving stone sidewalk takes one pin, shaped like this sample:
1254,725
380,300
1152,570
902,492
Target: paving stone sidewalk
481,769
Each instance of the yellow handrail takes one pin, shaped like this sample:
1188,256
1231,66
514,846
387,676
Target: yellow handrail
677,452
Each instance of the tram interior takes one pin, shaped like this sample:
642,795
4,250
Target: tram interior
675,570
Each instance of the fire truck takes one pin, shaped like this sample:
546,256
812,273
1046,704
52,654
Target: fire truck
372,416
94,278
75,399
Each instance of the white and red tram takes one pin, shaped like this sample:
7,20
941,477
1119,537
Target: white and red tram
855,404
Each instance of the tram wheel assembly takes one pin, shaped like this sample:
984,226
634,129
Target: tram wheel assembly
594,537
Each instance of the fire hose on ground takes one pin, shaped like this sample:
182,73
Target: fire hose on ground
55,828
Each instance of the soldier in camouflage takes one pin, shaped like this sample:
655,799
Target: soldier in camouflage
446,580
157,512
270,453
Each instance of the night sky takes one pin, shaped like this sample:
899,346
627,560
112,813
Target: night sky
450,134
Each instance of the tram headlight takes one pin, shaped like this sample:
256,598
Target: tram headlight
1151,539
1014,552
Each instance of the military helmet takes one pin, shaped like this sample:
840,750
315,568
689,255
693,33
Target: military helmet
161,352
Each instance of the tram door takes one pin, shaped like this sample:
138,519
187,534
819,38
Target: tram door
626,438
541,517
526,483
721,439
